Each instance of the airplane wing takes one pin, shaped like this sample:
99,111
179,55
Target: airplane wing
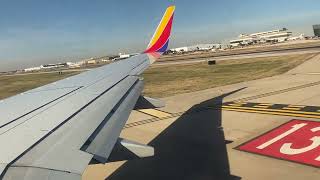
55,131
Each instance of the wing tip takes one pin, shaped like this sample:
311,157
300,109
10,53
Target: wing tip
160,39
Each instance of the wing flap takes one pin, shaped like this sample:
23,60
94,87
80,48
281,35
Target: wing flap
103,140
148,103
128,150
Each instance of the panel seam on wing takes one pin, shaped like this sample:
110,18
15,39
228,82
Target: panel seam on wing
37,167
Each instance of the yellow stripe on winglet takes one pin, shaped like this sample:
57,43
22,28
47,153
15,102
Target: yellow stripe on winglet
164,21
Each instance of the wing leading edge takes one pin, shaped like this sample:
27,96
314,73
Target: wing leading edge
55,131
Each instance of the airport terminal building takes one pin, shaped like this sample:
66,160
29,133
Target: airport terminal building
316,29
278,35
198,47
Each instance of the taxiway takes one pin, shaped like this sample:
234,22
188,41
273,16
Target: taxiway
198,135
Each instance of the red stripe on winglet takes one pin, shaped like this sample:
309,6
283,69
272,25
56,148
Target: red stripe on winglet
163,38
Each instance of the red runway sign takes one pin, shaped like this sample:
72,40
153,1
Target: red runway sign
297,141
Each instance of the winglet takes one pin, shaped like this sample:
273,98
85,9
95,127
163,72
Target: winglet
160,40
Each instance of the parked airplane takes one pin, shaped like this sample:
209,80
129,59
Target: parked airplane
55,131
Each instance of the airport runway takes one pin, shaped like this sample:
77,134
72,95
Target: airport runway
213,134
194,59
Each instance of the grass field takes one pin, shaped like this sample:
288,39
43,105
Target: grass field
11,85
169,80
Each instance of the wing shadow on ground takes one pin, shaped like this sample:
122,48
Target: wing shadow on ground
193,147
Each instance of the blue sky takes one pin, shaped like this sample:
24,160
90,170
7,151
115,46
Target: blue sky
34,32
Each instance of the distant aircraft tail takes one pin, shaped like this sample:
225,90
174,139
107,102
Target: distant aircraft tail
160,40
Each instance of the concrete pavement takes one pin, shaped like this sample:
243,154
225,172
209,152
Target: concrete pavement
198,142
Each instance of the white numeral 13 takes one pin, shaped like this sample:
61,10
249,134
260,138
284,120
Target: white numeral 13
286,148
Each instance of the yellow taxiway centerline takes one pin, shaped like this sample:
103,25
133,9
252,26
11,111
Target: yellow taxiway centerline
271,112
155,113
274,110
